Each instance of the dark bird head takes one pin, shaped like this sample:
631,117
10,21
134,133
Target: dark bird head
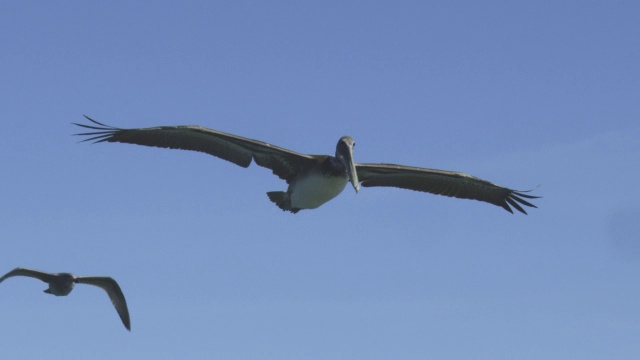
344,153
61,284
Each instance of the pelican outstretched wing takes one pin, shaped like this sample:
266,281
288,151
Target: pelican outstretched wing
239,150
441,182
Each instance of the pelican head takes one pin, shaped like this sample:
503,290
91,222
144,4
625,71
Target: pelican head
344,153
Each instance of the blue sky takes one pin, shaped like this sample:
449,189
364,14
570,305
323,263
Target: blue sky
529,95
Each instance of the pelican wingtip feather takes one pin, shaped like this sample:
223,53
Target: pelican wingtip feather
515,199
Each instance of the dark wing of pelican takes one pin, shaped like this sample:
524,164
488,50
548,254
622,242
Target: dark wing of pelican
236,149
46,277
441,182
115,294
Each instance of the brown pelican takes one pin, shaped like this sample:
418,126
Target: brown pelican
313,179
61,284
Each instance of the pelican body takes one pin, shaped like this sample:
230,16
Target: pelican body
313,179
320,181
61,284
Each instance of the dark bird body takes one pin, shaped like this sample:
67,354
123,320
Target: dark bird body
61,284
313,179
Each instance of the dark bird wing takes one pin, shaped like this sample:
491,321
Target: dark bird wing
19,271
238,150
441,182
115,294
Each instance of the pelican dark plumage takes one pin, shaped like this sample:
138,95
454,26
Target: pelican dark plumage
61,284
313,179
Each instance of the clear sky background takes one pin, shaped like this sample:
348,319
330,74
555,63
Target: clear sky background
540,95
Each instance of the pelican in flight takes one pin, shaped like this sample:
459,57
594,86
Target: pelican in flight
61,284
313,179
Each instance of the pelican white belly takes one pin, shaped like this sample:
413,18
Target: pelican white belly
313,191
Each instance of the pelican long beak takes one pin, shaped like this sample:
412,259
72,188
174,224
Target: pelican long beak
353,175
344,152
